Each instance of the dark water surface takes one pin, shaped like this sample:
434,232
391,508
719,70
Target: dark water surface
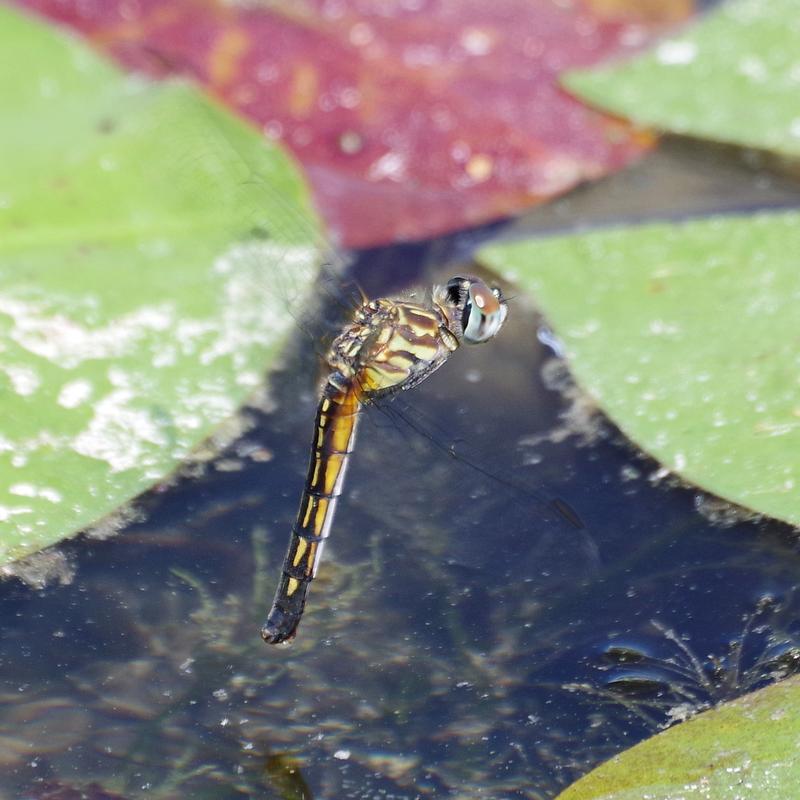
461,640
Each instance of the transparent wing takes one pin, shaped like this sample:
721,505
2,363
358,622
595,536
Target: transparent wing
267,235
280,255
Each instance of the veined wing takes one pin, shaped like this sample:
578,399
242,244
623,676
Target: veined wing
275,234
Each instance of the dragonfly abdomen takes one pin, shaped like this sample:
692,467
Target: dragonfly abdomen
334,435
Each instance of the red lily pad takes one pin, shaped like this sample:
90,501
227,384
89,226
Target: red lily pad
410,118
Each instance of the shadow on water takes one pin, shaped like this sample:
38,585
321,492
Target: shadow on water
460,640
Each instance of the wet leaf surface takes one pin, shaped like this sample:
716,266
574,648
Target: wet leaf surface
744,748
130,325
439,115
687,336
734,77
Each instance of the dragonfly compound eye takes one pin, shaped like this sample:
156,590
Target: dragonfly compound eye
484,312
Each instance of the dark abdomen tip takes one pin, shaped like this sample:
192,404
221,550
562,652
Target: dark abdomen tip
279,627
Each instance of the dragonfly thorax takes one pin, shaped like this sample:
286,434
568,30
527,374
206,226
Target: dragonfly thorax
391,345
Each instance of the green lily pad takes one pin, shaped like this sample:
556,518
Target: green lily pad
139,261
688,337
734,77
746,748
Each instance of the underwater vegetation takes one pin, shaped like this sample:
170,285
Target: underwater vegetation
663,688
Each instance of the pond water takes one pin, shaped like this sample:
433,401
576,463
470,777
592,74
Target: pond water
461,640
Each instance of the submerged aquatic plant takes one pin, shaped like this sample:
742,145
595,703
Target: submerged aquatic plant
194,706
662,690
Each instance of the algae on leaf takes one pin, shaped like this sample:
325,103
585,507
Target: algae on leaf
734,77
137,306
746,748
688,337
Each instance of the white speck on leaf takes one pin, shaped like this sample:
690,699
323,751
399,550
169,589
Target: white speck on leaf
476,41
754,68
6,512
74,393
676,51
119,433
660,327
29,490
67,342
390,166
24,380
23,489
361,34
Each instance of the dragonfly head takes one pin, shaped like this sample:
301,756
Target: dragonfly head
481,310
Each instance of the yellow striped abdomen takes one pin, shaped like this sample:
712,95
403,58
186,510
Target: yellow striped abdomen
334,434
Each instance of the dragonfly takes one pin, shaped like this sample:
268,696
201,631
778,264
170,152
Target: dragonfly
388,347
